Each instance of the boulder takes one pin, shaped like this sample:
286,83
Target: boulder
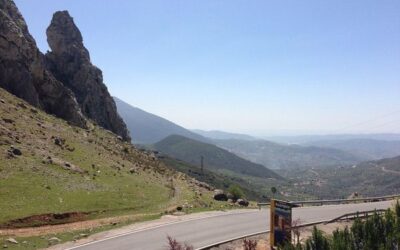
242,202
12,240
58,141
219,195
7,120
16,151
54,240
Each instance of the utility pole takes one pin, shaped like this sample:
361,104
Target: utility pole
202,164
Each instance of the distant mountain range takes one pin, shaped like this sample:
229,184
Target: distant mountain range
305,152
365,148
221,135
191,151
302,139
274,155
147,128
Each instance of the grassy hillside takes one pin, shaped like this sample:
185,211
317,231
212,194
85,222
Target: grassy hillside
215,158
48,166
274,155
217,180
371,178
254,188
146,128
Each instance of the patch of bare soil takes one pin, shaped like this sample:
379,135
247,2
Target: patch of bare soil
73,226
44,219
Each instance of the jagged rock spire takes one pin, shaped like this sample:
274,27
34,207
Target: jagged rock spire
69,61
23,72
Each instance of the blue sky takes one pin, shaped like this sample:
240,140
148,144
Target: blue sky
260,67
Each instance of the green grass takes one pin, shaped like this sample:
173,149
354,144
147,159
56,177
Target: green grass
29,186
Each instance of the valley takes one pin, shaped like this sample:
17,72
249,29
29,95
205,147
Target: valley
83,165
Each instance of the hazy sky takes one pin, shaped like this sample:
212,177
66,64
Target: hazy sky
260,67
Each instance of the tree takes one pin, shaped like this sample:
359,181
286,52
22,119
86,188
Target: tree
317,241
296,229
273,190
376,232
397,209
236,192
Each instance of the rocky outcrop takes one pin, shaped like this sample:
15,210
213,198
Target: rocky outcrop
69,61
23,71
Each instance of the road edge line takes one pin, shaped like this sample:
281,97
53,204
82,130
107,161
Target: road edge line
154,227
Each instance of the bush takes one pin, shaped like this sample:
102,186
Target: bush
173,244
249,244
236,192
376,232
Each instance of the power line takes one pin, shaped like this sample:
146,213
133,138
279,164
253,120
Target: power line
386,123
367,121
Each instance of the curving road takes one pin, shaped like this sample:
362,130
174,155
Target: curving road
214,229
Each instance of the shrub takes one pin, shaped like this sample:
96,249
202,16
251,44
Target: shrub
376,232
249,244
236,192
173,244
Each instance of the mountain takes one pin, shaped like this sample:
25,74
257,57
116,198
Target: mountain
371,178
303,139
64,82
69,61
23,70
49,167
366,148
221,135
146,128
275,156
191,151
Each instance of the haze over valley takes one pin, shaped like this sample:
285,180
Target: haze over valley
124,121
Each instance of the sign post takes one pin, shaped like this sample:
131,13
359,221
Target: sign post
280,223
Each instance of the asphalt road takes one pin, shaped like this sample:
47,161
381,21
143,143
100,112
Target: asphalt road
206,231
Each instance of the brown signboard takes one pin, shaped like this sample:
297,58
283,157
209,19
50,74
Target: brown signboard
281,223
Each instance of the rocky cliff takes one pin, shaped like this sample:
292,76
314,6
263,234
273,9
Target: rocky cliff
69,61
23,71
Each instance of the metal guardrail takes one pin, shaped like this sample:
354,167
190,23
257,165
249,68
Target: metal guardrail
337,201
251,235
341,201
260,204
360,214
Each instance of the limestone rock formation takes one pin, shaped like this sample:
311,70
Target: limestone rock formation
69,61
23,71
